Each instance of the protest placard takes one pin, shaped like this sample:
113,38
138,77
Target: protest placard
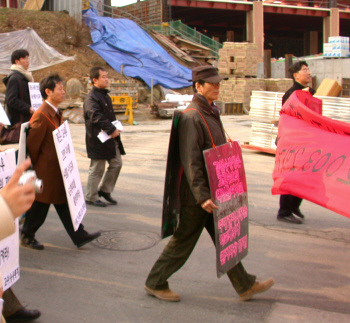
9,247
36,99
70,173
3,116
228,188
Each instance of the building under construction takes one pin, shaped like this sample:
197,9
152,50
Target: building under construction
288,26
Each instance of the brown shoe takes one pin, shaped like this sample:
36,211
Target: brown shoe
256,288
164,295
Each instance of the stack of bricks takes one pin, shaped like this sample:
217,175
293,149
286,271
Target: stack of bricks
238,90
238,59
278,85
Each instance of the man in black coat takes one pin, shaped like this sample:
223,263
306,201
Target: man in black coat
99,115
17,91
290,204
19,109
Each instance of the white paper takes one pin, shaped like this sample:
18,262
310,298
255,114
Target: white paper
22,143
3,116
9,247
36,99
70,173
103,136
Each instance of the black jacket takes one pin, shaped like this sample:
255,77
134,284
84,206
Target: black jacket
99,114
296,86
17,97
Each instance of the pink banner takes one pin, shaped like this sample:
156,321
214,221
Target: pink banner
228,188
312,157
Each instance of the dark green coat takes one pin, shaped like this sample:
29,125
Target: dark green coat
194,138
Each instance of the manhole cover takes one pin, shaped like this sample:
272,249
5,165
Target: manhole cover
127,240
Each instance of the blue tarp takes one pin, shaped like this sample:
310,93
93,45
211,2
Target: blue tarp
122,42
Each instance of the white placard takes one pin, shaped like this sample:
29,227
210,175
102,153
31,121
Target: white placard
36,99
3,116
9,247
70,173
22,143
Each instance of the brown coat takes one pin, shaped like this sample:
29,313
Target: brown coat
43,154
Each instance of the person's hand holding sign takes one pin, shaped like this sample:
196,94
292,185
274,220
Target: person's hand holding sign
209,206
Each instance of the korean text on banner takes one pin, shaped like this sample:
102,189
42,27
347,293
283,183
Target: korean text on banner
312,157
36,99
70,173
9,247
228,188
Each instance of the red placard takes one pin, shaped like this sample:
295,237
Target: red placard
228,188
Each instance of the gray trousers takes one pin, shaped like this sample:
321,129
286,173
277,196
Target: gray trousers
193,219
96,170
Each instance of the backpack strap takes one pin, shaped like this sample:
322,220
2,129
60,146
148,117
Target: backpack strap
211,136
47,118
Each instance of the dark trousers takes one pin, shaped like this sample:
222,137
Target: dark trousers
288,205
36,216
11,303
192,222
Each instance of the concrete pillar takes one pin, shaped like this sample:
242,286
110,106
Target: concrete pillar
255,27
310,43
331,25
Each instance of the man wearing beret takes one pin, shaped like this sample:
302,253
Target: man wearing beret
196,205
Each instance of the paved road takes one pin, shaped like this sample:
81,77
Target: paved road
104,282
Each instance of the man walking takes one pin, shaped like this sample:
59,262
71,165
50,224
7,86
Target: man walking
197,127
43,154
290,204
17,96
99,115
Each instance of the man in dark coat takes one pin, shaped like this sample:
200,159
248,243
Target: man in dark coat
17,96
197,207
43,154
99,115
290,204
18,108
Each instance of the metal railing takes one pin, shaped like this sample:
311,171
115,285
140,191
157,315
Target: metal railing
340,4
178,28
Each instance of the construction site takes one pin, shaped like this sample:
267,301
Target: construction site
251,42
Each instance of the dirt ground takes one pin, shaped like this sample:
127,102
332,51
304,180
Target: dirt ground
63,33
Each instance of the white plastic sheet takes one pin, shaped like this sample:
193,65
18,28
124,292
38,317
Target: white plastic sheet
41,55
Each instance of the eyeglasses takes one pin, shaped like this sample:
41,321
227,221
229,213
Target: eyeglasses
305,70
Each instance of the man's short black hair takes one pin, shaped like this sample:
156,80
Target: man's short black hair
17,54
95,73
49,83
296,67
201,82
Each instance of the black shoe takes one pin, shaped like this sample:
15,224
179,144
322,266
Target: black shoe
23,315
88,238
96,203
298,213
289,219
31,243
107,197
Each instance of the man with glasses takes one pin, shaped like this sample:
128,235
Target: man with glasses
290,204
